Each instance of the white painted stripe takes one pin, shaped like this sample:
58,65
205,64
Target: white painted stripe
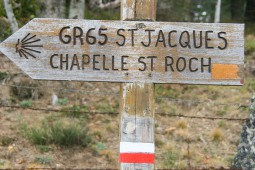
131,147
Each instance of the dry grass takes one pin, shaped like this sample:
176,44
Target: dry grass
200,133
181,124
217,135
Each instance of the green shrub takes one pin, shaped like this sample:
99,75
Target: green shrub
44,160
6,140
100,146
39,136
69,135
57,133
26,103
63,101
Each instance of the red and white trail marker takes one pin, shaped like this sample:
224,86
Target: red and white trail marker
133,152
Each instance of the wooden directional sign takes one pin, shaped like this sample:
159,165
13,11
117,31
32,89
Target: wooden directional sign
129,51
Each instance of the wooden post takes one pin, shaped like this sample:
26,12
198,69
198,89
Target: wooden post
137,149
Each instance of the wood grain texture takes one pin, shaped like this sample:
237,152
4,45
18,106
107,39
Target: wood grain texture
138,10
131,68
137,99
137,112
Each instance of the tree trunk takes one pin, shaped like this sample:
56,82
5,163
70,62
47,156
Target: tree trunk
217,12
77,9
52,9
10,15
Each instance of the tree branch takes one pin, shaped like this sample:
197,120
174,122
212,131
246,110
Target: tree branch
10,15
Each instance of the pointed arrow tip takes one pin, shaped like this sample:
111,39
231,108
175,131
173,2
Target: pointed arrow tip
1,47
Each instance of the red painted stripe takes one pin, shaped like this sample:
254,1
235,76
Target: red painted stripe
137,158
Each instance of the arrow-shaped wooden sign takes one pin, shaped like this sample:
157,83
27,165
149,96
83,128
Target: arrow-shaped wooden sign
129,51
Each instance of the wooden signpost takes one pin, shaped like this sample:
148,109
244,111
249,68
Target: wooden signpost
135,51
128,51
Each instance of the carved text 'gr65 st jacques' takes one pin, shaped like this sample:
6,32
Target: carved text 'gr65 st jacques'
130,51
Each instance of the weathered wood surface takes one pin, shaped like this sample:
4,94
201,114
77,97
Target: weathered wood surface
137,146
137,126
117,51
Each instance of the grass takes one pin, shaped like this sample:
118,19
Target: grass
223,111
222,124
183,135
100,146
230,160
58,133
158,142
6,140
75,111
181,124
44,148
111,128
166,91
249,45
2,162
248,86
26,103
170,158
105,107
45,160
217,135
63,101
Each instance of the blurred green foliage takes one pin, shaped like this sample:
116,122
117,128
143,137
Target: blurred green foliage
249,46
26,103
25,10
2,12
99,14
